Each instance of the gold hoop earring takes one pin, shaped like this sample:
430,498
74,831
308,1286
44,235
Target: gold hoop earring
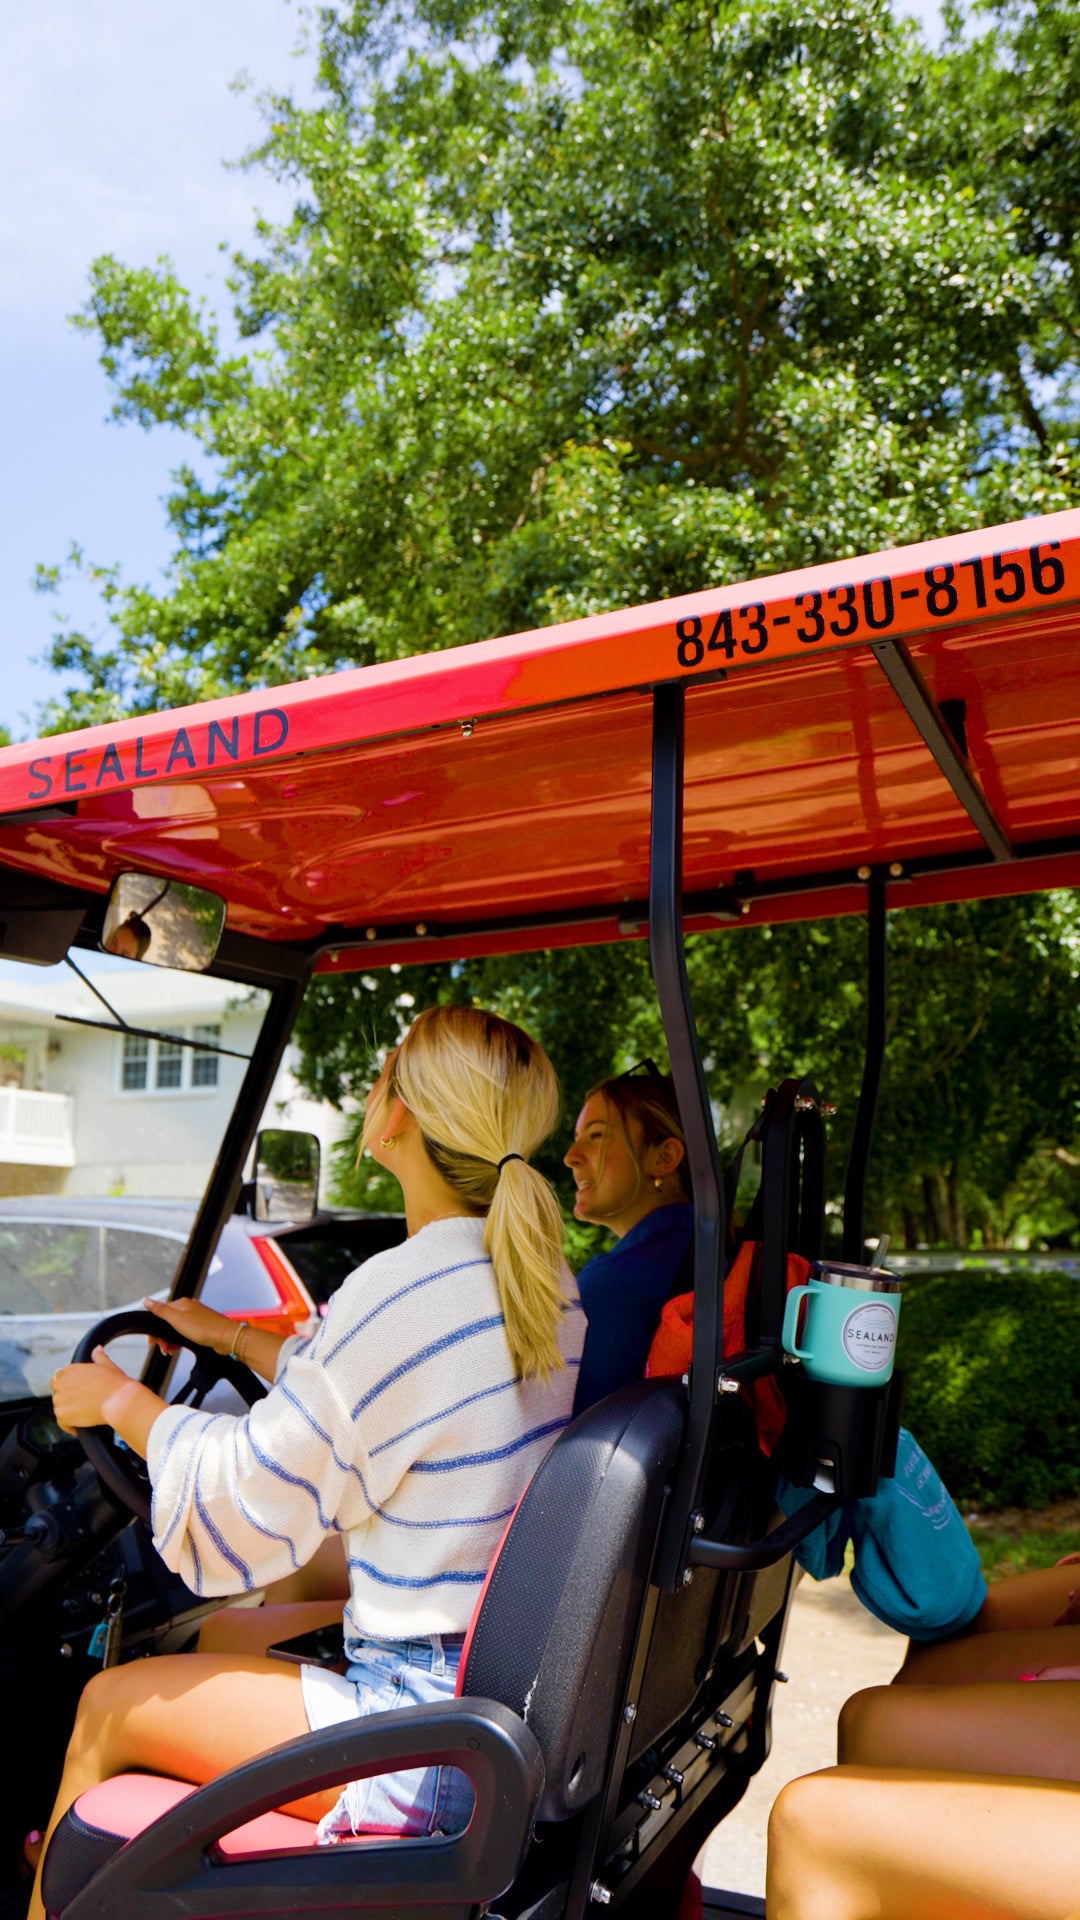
387,1140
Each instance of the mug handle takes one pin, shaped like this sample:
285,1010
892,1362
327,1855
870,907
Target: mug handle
791,1321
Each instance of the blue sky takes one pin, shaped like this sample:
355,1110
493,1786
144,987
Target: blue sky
116,118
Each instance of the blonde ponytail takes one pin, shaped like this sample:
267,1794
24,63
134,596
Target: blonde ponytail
485,1097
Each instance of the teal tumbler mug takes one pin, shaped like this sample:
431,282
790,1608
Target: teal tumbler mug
848,1331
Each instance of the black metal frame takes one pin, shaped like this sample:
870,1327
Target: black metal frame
794,1173
683,1543
753,1556
934,730
792,1191
873,1065
676,1008
223,1188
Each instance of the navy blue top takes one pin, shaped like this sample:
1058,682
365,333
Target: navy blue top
622,1293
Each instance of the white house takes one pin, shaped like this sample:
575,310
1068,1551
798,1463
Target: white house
87,1110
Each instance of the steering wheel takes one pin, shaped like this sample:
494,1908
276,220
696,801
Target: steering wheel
121,1470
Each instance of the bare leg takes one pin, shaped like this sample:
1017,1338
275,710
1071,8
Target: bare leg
1026,1600
1001,1728
311,1598
326,1577
191,1716
254,1629
851,1844
990,1656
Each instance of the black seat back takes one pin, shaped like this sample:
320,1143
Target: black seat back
650,1701
555,1631
650,1708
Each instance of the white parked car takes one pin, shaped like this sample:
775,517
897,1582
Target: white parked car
65,1263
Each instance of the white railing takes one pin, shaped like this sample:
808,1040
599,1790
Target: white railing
36,1128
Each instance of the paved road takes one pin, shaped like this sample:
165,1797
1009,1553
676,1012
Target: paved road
833,1648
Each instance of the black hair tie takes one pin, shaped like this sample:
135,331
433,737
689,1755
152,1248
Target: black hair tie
509,1156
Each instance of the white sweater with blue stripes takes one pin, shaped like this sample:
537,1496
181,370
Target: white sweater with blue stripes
399,1423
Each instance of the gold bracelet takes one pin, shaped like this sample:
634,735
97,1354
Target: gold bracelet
234,1350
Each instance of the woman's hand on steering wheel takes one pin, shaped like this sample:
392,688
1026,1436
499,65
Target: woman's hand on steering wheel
98,1393
94,1395
193,1322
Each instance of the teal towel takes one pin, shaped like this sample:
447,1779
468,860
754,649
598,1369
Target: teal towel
916,1565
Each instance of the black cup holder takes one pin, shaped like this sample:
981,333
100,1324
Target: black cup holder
841,1440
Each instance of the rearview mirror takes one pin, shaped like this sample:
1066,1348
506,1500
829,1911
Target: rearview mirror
286,1175
164,922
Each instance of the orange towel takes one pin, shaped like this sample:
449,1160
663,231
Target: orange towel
673,1342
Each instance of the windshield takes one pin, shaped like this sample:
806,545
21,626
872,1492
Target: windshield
107,1139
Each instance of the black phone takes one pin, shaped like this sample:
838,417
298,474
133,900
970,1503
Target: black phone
322,1647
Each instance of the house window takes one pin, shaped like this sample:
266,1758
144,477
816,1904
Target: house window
135,1071
170,1066
164,1066
204,1066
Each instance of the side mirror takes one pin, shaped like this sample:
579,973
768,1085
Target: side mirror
164,922
286,1175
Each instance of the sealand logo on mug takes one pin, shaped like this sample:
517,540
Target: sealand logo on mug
869,1336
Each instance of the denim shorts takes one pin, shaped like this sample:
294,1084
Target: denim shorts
385,1674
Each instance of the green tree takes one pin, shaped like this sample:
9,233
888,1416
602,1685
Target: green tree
981,1092
583,304
587,302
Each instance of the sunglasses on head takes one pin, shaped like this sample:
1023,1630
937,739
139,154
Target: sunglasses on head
646,1070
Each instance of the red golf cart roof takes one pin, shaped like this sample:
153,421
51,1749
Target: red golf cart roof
916,712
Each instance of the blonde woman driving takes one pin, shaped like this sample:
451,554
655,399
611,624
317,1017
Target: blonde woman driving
410,1423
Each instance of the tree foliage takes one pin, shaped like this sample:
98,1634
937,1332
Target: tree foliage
982,1080
993,1362
588,302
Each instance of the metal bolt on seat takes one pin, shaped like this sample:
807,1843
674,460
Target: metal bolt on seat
629,1713
649,1801
673,1774
705,1740
599,1894
782,1678
723,1719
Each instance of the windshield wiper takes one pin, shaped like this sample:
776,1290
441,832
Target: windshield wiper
120,1025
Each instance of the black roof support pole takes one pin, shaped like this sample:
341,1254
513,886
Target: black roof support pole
673,991
859,1154
933,728
223,1187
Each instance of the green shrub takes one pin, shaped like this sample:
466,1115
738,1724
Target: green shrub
993,1365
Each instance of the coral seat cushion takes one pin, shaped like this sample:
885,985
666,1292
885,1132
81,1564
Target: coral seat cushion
130,1802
